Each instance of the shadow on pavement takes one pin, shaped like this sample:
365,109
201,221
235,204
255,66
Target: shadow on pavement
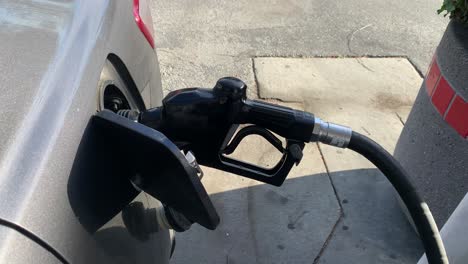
301,222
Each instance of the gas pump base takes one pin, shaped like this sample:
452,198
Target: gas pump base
433,146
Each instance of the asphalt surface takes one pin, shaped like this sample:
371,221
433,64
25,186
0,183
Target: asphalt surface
200,41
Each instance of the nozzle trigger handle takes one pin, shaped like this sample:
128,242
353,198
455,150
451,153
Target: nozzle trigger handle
292,154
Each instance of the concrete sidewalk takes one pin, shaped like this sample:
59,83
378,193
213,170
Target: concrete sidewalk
334,207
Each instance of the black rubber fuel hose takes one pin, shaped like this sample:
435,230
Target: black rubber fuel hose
398,177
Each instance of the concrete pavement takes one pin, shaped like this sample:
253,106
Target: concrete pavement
335,207
261,223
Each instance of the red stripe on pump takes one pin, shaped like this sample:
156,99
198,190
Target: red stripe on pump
442,96
450,105
457,116
432,77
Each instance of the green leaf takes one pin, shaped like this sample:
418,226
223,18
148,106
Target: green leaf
457,9
450,6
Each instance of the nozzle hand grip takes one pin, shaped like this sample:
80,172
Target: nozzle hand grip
284,121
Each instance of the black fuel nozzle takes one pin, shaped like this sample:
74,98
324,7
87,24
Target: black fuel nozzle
207,111
205,121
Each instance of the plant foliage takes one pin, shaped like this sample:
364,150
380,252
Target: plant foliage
457,9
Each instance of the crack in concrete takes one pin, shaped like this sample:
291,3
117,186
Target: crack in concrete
292,222
227,55
363,65
254,72
365,130
251,221
400,118
177,56
341,213
258,87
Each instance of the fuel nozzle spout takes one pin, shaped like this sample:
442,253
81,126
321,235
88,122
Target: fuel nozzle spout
152,118
141,222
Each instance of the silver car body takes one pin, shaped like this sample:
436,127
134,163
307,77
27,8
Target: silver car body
55,57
